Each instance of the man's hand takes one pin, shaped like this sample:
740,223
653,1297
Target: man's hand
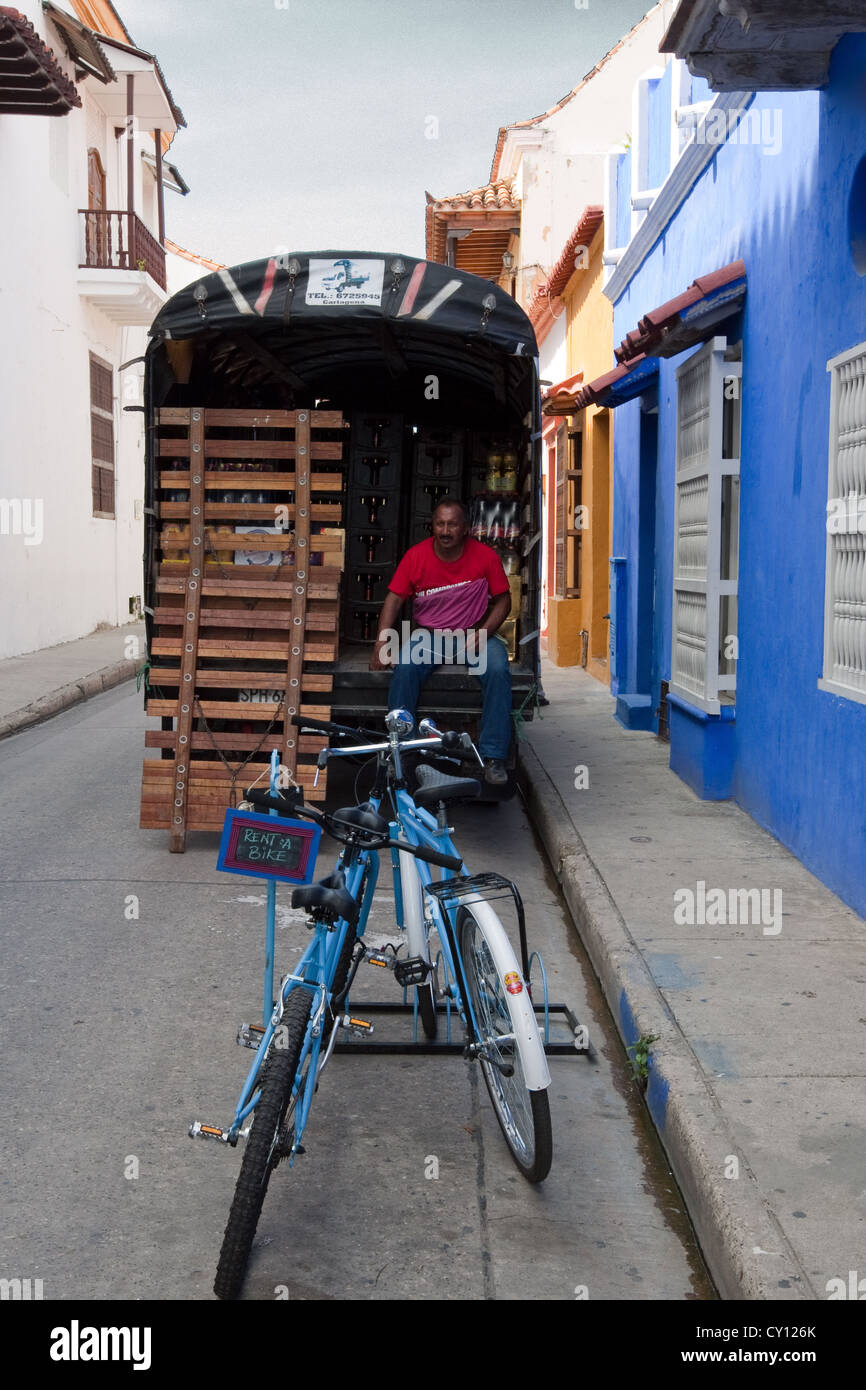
496,614
387,618
376,661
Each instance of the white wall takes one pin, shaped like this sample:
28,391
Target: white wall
559,163
84,569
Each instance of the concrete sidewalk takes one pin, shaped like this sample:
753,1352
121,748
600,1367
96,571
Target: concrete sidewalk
40,684
757,1080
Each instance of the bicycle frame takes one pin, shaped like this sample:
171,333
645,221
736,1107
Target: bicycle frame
317,965
315,970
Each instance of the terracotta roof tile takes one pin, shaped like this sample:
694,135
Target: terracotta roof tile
193,256
661,332
492,195
20,39
495,200
589,394
591,219
658,323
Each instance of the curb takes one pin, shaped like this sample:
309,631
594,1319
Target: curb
66,696
746,1251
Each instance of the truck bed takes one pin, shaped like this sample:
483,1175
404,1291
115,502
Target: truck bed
359,691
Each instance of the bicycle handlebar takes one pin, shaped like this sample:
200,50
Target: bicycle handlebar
327,726
288,806
450,741
431,856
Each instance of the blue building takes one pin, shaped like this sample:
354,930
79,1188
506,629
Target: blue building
738,574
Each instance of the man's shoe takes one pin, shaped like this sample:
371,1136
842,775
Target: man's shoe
495,773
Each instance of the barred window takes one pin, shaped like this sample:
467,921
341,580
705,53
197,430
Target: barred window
706,527
845,574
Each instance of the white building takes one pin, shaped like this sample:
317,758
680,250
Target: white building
555,164
85,118
558,167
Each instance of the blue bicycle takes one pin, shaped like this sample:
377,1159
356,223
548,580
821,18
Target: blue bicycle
475,971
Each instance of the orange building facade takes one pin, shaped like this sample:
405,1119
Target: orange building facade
579,445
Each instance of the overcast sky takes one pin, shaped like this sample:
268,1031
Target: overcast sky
308,121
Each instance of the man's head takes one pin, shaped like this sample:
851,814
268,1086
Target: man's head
450,527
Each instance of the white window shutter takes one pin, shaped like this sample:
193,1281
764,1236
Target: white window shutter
845,577
698,587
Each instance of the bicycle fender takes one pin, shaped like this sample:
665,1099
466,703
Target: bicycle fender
413,907
526,1033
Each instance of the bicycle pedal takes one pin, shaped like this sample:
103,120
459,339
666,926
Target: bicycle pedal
250,1035
356,1025
199,1131
379,958
412,971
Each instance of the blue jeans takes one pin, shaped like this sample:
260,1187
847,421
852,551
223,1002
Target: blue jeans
418,658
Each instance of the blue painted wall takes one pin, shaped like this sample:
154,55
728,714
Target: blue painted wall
623,199
800,766
659,113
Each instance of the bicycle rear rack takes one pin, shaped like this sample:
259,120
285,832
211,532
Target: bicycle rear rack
486,887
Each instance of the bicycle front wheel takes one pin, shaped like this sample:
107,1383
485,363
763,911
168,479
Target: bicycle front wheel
523,1115
265,1145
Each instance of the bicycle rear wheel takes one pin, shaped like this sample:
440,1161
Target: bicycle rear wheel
263,1149
523,1115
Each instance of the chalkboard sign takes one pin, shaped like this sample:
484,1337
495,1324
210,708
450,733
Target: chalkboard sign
268,847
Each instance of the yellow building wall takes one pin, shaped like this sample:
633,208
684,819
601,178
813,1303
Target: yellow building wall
589,347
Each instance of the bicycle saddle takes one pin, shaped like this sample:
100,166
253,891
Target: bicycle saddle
434,786
364,816
330,895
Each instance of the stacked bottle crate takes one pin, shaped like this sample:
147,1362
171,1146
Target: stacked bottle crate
437,473
374,514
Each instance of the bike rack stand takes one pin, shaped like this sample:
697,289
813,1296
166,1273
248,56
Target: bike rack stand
483,886
476,887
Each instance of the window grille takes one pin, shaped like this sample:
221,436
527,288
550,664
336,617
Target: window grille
845,576
706,528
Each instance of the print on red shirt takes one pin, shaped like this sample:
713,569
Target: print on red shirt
449,594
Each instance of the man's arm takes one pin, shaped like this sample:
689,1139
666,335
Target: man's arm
387,619
496,614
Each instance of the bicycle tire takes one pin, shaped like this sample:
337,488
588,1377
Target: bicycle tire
523,1115
258,1161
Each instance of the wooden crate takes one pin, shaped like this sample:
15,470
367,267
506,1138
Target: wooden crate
238,648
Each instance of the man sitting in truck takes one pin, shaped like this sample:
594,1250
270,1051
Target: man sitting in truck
458,586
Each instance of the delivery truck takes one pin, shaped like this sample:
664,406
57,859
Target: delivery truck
304,415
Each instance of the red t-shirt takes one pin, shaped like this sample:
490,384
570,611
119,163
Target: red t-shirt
453,593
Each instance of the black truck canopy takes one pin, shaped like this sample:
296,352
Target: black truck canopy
356,327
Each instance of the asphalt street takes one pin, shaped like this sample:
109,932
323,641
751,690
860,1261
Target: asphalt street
126,971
